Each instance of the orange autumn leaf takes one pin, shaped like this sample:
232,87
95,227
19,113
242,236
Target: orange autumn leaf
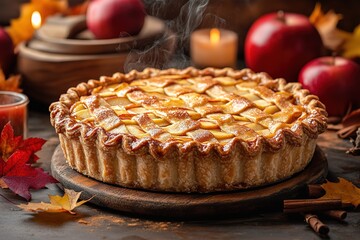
21,29
10,84
79,9
352,45
326,24
67,203
344,190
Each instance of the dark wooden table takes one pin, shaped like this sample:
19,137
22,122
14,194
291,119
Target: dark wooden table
93,222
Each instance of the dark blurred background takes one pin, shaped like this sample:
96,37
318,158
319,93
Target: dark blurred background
236,15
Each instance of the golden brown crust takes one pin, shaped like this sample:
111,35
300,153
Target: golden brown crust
186,172
312,125
197,165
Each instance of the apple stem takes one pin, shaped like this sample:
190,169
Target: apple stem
281,15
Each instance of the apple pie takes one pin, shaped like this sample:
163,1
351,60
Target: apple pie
188,130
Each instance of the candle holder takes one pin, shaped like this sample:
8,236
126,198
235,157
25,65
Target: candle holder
214,48
13,109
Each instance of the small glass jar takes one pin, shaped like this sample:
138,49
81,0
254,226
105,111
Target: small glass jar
13,109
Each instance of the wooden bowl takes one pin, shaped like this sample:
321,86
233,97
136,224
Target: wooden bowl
48,38
50,66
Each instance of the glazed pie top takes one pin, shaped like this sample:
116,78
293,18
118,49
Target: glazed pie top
207,108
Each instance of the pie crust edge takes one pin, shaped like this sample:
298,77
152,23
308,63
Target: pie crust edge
189,167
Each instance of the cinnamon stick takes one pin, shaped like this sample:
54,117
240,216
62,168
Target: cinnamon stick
315,191
311,205
335,214
316,224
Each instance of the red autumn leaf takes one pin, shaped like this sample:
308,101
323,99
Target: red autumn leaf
33,145
35,178
14,163
8,143
16,171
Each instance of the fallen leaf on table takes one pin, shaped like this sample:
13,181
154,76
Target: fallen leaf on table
352,45
344,190
10,84
16,159
326,24
67,203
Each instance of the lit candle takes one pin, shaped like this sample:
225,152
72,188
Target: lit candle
214,48
36,20
13,109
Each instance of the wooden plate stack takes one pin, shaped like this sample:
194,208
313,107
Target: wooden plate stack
64,53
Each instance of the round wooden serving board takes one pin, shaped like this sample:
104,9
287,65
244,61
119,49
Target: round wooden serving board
183,205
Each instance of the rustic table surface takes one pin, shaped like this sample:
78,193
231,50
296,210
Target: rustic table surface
93,222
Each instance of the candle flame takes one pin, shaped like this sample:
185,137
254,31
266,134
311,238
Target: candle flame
36,20
214,36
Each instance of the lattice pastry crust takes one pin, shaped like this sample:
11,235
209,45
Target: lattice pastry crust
188,130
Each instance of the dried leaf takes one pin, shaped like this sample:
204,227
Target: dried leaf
16,157
41,207
344,190
11,84
349,125
355,150
8,142
3,184
352,45
326,24
67,203
21,29
79,9
35,178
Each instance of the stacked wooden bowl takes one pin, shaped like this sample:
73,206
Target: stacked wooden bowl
63,53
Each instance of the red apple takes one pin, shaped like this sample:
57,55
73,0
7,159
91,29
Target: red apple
335,80
6,51
115,18
281,44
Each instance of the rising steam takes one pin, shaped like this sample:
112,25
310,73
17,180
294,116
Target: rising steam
162,52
